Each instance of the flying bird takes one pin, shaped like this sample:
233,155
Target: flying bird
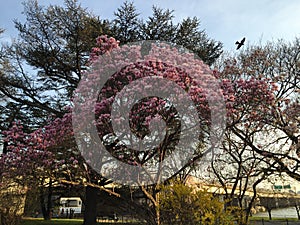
240,43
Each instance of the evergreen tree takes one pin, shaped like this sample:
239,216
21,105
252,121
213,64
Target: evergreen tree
127,27
54,43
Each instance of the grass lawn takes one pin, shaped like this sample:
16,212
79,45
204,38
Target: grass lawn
65,222
53,221
253,220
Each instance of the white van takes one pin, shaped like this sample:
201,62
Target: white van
70,205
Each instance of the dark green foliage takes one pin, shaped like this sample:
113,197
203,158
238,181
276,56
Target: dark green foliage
55,43
160,26
126,25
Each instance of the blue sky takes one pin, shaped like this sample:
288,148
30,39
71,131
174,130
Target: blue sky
223,20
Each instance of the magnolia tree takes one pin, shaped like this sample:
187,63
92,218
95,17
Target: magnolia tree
125,95
180,94
262,134
239,169
276,134
147,112
45,159
143,114
40,159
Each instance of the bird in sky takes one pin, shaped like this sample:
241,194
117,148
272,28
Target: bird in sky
240,43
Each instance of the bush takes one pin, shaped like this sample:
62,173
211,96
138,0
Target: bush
12,199
181,204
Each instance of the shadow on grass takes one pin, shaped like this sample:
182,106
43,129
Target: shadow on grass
29,221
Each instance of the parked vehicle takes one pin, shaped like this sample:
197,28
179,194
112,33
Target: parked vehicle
70,206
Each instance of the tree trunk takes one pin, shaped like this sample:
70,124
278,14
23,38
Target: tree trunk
46,207
298,211
4,149
157,210
157,216
90,212
250,205
42,203
2,220
49,201
270,214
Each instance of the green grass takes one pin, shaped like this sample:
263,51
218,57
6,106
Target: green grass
64,222
51,222
80,221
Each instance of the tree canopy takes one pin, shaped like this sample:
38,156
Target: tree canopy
64,52
40,71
